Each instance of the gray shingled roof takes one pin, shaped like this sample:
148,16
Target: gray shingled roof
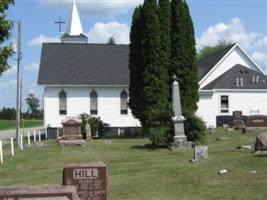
228,79
207,63
83,64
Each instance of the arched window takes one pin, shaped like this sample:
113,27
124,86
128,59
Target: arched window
124,106
93,103
62,103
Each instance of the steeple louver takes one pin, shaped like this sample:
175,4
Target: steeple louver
74,32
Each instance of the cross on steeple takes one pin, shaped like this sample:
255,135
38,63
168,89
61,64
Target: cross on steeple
59,22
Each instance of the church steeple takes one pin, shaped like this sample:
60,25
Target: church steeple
74,32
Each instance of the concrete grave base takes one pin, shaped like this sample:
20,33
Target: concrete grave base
256,129
39,192
71,142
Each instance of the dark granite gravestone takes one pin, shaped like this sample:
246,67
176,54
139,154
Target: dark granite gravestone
256,123
72,134
39,193
90,180
238,120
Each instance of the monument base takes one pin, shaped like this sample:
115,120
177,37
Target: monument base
180,142
71,142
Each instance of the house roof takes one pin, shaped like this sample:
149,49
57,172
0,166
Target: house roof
228,80
84,64
208,62
107,65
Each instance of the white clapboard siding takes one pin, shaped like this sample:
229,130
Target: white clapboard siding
209,104
78,101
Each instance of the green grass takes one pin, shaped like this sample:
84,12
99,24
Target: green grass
11,124
136,173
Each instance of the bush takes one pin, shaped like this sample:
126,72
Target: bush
158,135
195,129
96,125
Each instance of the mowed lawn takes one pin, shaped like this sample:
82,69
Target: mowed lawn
11,124
137,173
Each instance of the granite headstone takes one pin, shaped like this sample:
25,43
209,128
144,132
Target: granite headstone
90,180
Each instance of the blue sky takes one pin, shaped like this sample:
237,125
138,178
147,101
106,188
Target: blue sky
242,21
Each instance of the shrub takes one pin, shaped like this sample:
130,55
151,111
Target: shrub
96,125
158,135
195,129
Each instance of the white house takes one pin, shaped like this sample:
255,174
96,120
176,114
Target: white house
230,80
93,78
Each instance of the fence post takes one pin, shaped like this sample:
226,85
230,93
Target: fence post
29,139
1,152
21,142
39,135
12,147
34,136
46,136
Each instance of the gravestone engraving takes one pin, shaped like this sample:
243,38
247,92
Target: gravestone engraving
39,193
72,134
200,152
90,180
179,138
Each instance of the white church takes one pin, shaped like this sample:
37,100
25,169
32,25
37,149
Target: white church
79,77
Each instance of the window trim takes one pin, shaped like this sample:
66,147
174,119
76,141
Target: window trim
93,111
224,110
62,111
123,111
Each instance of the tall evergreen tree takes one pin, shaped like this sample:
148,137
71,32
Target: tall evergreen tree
135,67
5,27
184,56
164,13
155,76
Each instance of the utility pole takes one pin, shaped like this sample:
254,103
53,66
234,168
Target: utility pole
18,102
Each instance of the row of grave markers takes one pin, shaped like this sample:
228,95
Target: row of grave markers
21,143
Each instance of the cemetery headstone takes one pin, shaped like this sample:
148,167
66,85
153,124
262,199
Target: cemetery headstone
238,119
72,134
90,180
256,123
261,142
200,152
39,193
179,139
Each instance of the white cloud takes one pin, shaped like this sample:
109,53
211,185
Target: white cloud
39,40
93,7
234,31
32,67
260,57
101,32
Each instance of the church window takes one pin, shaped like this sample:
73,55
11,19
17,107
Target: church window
224,104
124,105
93,103
62,103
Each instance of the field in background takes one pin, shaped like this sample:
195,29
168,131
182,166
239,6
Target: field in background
11,124
150,174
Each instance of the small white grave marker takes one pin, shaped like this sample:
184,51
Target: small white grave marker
12,147
29,139
1,152
21,142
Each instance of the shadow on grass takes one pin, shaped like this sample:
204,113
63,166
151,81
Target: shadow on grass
149,147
